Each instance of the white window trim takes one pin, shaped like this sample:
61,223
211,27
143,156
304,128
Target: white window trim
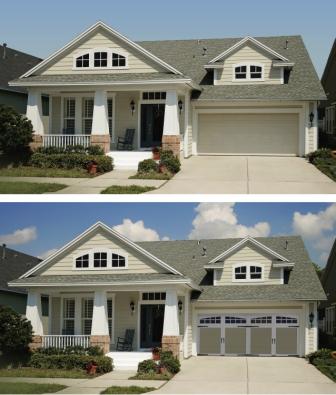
86,318
91,59
109,259
248,72
248,275
151,301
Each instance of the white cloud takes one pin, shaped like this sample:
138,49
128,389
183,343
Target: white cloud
47,253
136,231
19,236
216,220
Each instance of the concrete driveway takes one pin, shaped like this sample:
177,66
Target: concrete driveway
248,375
248,174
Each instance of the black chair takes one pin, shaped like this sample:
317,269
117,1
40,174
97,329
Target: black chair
126,143
126,343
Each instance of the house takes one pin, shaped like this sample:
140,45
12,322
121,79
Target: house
327,109
327,308
255,96
14,63
255,296
12,265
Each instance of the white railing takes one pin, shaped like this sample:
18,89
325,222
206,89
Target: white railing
64,140
63,341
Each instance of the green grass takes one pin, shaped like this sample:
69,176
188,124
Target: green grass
29,171
29,388
151,376
151,176
126,189
19,187
44,373
133,389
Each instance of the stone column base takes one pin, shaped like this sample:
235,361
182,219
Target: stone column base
171,343
103,140
36,343
102,341
37,142
172,143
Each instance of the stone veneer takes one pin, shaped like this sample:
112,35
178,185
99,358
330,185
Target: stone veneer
172,143
35,343
102,341
171,343
103,140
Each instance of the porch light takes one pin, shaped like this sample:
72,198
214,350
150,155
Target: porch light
132,307
311,319
132,106
311,118
180,105
180,306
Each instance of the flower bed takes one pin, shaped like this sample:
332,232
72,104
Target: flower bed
324,362
325,160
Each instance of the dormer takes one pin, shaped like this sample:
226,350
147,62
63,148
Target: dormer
249,62
249,262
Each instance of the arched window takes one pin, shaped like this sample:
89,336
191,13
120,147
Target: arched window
118,260
82,262
240,273
248,71
100,259
118,60
241,72
83,61
249,272
255,272
255,72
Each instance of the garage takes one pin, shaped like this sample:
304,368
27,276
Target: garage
248,134
264,335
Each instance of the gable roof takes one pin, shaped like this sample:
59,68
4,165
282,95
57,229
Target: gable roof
96,227
328,279
243,42
101,25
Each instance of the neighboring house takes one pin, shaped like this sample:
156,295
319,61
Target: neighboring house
253,96
327,309
14,63
255,296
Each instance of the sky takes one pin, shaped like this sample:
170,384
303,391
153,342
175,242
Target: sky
40,228
40,27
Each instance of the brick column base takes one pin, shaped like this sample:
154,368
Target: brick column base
102,341
171,343
171,143
36,343
103,140
37,142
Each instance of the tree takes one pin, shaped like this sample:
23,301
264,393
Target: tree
16,131
15,331
318,270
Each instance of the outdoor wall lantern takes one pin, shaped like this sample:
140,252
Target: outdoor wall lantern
180,306
132,106
180,105
132,307
311,118
311,319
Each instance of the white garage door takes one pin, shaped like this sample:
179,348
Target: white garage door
263,334
250,134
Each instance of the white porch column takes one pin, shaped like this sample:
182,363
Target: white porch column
34,312
186,125
171,322
99,316
34,110
171,126
100,114
315,125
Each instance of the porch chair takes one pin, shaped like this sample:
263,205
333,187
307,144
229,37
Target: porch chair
126,343
126,142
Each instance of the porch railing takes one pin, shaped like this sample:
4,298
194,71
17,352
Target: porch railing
65,140
63,341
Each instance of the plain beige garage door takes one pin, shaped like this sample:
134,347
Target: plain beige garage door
250,134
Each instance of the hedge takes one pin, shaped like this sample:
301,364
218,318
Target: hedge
92,351
70,361
79,149
70,160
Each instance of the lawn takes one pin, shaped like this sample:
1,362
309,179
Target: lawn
127,189
29,171
325,161
22,187
133,389
151,176
44,373
324,362
29,388
151,376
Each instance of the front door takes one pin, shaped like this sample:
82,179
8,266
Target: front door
152,118
151,325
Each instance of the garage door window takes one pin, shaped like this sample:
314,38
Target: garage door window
262,320
235,320
286,320
210,320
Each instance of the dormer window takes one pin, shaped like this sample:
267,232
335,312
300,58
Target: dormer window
248,72
255,272
105,259
240,273
100,259
83,61
118,60
241,72
250,272
255,72
82,262
100,58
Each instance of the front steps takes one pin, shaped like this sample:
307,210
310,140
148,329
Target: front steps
126,360
128,160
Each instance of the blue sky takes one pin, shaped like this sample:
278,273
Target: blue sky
38,228
40,27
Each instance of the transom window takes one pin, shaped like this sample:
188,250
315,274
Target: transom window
248,72
100,259
82,262
210,320
100,58
154,96
247,273
105,259
153,296
83,61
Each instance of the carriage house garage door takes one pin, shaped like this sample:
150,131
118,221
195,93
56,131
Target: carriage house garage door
248,134
266,334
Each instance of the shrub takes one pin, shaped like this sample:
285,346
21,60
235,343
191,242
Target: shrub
95,150
92,350
170,161
79,149
322,153
15,331
147,166
322,354
16,131
70,361
171,363
147,366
